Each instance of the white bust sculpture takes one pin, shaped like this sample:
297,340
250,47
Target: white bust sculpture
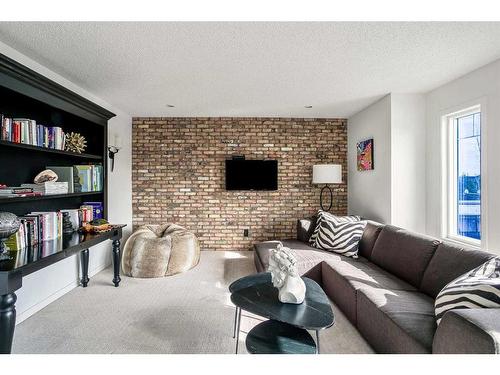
285,277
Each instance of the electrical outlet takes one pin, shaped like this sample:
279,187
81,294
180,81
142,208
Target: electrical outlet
245,232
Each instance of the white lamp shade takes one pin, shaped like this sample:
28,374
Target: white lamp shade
327,174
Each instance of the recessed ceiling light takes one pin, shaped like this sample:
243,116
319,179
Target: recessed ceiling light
170,106
308,106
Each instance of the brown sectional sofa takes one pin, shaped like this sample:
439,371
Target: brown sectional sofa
388,292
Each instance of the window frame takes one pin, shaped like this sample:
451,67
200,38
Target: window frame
451,178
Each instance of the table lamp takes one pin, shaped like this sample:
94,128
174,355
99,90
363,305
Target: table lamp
327,174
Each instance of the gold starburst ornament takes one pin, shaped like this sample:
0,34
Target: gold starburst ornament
75,142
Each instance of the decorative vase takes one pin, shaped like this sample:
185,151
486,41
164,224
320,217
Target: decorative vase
9,224
285,276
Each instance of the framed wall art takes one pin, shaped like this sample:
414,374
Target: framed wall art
365,155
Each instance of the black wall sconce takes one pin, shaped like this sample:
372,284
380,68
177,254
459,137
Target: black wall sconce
113,150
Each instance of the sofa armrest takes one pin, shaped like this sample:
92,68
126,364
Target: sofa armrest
468,331
305,228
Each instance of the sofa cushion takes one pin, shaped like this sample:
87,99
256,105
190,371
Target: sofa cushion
307,256
343,277
370,235
396,321
403,253
449,262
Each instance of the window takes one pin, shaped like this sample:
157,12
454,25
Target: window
464,176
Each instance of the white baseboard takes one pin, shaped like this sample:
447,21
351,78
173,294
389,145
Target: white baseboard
65,289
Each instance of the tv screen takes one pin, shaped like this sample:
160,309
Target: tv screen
244,174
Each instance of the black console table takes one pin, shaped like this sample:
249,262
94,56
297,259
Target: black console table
14,265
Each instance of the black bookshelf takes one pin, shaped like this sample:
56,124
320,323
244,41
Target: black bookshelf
27,94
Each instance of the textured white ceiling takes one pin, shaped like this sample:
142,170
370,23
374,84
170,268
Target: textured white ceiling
254,69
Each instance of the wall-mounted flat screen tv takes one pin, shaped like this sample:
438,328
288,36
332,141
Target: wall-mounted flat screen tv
242,174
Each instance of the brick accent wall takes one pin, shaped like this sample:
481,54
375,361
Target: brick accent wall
178,175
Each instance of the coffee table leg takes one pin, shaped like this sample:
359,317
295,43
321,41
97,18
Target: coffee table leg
238,330
317,341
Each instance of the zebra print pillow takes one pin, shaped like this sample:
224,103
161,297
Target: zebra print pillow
323,215
340,236
478,288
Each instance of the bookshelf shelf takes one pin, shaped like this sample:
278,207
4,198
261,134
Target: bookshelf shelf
48,196
50,150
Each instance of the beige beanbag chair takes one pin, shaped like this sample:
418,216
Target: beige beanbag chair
160,250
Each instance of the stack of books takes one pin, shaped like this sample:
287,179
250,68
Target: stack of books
49,188
17,191
27,131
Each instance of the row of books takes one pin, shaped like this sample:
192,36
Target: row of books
27,131
37,227
90,177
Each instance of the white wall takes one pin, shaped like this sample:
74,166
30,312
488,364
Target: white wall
369,192
394,192
408,161
44,286
481,86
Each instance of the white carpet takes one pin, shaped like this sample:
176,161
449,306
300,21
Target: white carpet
187,313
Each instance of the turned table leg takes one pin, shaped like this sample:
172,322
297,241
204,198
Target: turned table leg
7,321
85,267
116,262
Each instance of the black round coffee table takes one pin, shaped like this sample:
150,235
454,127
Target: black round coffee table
286,332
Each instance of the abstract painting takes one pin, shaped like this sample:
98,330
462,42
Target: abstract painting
365,155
